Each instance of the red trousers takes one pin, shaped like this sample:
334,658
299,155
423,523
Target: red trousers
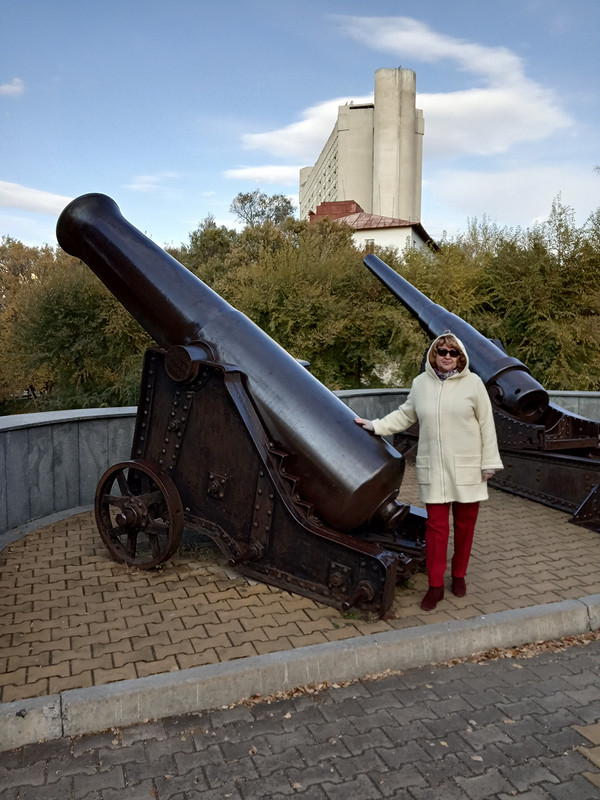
437,533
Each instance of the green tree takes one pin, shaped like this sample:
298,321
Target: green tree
255,208
68,339
64,336
542,298
536,290
306,287
451,277
207,250
19,265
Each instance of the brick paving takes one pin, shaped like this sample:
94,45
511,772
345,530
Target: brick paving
71,618
478,730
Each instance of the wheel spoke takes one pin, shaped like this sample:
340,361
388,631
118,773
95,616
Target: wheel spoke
156,545
123,485
150,498
117,532
119,502
132,537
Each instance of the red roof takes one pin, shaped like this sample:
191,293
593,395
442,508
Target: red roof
362,220
351,213
334,209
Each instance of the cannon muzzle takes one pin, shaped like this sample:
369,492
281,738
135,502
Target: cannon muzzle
348,477
508,381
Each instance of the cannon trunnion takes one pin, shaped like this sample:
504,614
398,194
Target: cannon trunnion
236,440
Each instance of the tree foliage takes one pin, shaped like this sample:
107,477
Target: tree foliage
306,287
536,290
207,249
542,295
68,341
256,208
19,266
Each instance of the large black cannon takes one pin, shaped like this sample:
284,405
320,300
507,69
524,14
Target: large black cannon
235,439
550,455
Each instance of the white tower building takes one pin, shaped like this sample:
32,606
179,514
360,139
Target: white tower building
374,155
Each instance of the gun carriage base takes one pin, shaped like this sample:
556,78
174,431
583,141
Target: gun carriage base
201,461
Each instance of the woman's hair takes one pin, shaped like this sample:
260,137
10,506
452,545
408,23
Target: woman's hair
448,340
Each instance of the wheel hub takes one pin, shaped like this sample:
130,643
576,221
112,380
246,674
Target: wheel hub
133,514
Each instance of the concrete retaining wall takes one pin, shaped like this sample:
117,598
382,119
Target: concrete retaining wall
371,403
586,404
52,462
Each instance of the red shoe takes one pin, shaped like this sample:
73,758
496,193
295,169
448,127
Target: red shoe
432,598
459,587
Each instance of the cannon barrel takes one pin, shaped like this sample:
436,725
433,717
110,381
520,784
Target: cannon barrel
507,379
350,478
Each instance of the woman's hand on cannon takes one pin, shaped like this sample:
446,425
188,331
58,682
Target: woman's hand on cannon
364,423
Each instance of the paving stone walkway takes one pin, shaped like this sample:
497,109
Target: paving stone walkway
487,730
70,618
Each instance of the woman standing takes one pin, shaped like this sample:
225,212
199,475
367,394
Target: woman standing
457,454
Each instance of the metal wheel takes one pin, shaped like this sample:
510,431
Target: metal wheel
139,514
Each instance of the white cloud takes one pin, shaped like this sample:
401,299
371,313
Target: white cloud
13,195
266,174
513,198
502,109
487,121
149,184
508,109
301,140
405,37
13,89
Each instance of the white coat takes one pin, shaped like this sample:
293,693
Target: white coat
457,435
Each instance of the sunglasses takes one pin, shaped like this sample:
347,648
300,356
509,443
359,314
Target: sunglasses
442,351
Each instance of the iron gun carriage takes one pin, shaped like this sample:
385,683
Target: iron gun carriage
235,438
550,455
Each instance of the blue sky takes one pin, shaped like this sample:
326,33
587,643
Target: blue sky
172,107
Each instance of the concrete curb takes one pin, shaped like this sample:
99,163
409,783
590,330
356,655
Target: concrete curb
84,711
